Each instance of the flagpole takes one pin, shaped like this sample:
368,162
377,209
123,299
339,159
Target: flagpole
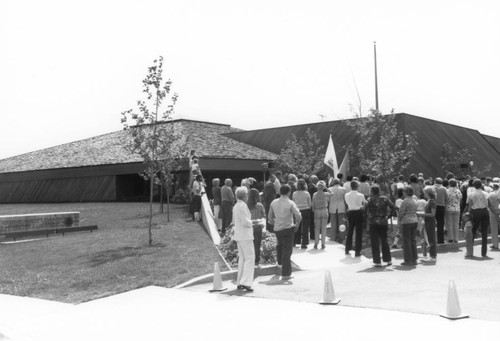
376,81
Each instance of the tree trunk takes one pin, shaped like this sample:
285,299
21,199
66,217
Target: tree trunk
168,202
161,192
151,188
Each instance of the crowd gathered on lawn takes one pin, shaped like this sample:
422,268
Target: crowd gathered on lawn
297,209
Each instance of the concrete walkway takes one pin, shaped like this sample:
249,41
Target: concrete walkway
155,313
419,289
332,256
377,304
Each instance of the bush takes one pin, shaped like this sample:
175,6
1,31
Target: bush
181,197
268,248
229,249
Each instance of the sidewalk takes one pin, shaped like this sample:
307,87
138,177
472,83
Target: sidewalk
420,289
155,313
332,256
395,300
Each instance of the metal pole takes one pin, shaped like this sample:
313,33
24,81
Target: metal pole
376,81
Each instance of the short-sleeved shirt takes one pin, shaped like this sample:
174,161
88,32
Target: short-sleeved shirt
302,199
477,199
408,211
376,209
364,189
453,200
441,195
197,187
258,212
354,200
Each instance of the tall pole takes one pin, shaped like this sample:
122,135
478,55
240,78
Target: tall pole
376,82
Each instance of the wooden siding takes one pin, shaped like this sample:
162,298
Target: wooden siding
79,172
98,188
431,136
493,141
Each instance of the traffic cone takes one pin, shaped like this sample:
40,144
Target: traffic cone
329,293
453,311
217,286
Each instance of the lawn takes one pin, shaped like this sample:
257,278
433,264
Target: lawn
116,258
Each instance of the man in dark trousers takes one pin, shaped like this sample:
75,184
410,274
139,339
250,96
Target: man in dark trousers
355,204
226,206
268,196
312,188
286,217
441,198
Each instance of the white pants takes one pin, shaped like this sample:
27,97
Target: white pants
452,219
246,262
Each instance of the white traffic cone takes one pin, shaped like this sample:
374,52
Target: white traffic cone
328,292
453,311
217,285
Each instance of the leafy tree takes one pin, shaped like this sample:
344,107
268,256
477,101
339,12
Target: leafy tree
302,155
459,161
380,147
160,143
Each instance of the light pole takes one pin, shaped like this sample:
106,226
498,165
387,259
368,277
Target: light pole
376,78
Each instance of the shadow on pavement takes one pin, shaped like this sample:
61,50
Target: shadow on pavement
405,267
235,292
275,280
480,259
351,260
374,269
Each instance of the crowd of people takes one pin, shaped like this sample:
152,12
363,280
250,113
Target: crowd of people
297,209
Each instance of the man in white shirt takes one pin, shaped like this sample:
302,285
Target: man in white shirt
355,203
336,208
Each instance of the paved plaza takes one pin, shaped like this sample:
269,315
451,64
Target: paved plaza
375,302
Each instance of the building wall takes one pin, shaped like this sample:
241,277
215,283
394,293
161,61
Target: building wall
97,188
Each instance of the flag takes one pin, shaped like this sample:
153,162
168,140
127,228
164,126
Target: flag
331,157
344,166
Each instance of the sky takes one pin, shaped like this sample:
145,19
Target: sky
69,68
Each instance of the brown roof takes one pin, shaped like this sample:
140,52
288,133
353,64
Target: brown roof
109,149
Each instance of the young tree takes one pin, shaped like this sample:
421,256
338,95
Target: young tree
301,155
158,141
380,147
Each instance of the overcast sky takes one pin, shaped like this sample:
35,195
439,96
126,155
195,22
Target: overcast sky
68,68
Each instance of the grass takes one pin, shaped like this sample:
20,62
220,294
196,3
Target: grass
116,258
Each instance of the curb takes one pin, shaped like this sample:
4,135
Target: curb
265,270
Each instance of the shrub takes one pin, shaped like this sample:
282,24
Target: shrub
229,249
181,197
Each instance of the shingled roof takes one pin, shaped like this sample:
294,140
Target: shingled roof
108,149
431,136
